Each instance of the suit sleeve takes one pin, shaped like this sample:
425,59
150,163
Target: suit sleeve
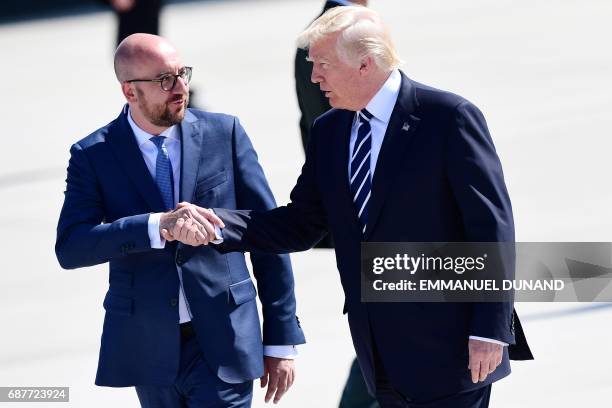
477,181
298,226
82,237
273,272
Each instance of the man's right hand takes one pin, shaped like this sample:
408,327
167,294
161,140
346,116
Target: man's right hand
187,225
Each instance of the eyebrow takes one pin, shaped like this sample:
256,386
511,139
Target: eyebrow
169,73
320,59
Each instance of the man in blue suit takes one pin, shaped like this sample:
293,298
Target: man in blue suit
181,320
395,161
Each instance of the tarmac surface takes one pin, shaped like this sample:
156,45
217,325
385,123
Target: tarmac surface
540,72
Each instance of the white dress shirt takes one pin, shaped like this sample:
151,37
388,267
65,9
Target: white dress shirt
172,143
381,106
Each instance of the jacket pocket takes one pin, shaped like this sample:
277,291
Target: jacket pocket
243,291
120,280
203,186
118,304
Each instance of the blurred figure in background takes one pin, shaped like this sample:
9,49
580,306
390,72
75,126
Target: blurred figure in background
313,104
311,100
136,16
355,393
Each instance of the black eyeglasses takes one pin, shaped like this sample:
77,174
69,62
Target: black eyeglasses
168,81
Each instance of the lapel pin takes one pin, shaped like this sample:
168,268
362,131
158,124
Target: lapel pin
406,126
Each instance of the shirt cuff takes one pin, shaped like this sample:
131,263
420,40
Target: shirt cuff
488,340
286,352
157,242
219,238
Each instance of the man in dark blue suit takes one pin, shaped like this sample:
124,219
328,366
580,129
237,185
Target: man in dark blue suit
181,319
395,161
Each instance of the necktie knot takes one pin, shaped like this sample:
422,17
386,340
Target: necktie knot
158,141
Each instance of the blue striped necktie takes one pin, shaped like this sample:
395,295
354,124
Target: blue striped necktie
361,179
163,172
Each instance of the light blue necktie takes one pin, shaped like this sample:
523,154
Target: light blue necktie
360,174
163,172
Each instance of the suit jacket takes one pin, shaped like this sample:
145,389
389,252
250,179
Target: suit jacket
438,181
108,198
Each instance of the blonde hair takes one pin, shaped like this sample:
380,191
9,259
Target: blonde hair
361,33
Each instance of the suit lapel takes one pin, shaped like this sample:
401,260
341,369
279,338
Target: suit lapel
402,127
192,134
123,143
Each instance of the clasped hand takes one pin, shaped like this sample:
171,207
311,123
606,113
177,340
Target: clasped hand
189,224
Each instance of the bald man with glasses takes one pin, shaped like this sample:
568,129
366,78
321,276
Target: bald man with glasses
181,320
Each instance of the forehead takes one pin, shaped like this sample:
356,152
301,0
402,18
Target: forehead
159,62
323,48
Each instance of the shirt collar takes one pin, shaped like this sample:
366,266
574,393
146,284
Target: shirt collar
382,104
143,137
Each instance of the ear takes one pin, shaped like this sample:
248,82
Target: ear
129,92
366,65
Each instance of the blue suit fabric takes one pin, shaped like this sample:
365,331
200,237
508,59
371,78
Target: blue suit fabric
109,196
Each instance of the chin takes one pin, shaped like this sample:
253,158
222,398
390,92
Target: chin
334,104
338,105
179,116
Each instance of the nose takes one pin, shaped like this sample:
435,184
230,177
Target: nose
181,86
315,77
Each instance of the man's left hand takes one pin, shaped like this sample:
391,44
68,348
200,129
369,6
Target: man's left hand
279,374
484,358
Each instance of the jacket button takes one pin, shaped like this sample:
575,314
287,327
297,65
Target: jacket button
180,259
173,302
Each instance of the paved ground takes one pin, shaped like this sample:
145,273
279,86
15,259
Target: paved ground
540,71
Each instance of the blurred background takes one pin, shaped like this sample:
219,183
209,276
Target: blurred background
540,72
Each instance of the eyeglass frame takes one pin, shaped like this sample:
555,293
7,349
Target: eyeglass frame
188,72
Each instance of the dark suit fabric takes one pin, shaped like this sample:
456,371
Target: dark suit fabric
438,179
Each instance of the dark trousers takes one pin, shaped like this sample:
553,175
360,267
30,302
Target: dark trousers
196,385
472,399
389,397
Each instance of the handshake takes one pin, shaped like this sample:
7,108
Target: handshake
190,224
